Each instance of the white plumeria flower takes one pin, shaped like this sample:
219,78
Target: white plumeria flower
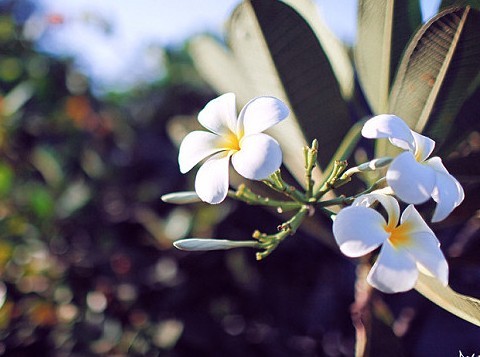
412,177
254,155
407,247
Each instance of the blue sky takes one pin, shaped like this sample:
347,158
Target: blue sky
111,40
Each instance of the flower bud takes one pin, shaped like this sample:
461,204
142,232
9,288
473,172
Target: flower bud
181,198
199,244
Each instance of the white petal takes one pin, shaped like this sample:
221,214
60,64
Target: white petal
394,271
392,127
389,203
359,230
423,146
448,193
425,249
220,114
411,181
414,221
195,147
211,183
259,157
260,114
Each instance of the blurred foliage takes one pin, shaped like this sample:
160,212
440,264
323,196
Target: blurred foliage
86,262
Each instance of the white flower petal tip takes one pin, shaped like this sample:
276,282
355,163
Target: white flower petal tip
219,115
181,198
254,155
388,126
412,176
199,244
262,113
408,244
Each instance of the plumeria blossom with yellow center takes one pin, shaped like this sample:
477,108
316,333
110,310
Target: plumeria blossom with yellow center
407,246
412,176
254,155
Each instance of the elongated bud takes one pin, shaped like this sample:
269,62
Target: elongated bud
368,166
375,164
181,198
199,244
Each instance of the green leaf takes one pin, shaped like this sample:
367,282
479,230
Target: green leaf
384,29
466,123
6,179
335,50
17,98
465,307
273,51
436,72
41,202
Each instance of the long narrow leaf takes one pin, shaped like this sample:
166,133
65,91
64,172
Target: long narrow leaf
437,70
335,51
384,29
301,66
465,307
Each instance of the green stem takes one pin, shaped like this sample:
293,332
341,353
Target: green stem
310,154
244,194
270,242
331,181
275,182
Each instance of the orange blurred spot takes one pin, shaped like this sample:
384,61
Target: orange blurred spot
78,108
43,314
55,19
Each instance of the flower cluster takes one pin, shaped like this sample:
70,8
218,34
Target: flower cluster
407,243
413,177
410,245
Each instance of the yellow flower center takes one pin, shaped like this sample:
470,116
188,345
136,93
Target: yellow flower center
399,236
232,142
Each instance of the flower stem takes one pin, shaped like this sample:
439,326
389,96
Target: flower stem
310,154
331,181
270,242
244,194
276,182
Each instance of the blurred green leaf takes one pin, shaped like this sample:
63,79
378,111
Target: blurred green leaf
75,196
16,98
10,69
41,202
384,29
7,28
436,72
46,161
6,179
